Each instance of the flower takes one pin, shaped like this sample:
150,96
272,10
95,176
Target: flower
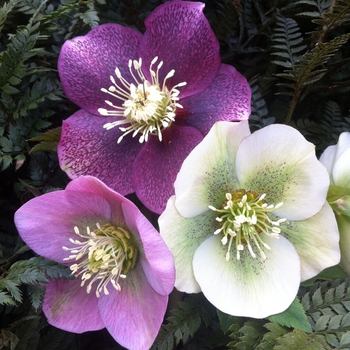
122,267
147,100
249,219
336,159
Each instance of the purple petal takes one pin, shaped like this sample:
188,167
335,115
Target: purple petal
180,35
156,166
67,306
86,63
86,148
47,222
227,98
134,315
92,186
156,259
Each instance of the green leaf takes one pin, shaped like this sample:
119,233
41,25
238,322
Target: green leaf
293,317
336,192
328,274
226,321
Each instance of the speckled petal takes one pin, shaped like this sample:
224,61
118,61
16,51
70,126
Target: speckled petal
209,172
155,168
278,161
47,222
86,148
316,241
227,98
183,236
248,287
86,63
134,315
67,306
180,35
156,259
344,229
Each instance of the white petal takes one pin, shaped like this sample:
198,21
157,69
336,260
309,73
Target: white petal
327,158
344,229
248,287
316,240
183,236
278,161
341,168
209,170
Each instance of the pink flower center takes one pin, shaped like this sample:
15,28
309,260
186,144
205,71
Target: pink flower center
242,218
147,107
103,255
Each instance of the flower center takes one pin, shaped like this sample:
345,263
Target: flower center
243,218
104,255
148,107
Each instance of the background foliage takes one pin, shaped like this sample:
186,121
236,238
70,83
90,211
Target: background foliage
296,56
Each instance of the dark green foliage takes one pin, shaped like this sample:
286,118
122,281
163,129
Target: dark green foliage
296,57
36,270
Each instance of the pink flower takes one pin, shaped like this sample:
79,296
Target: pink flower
123,269
147,100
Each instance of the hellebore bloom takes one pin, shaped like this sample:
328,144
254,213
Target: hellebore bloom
336,159
123,270
147,100
249,220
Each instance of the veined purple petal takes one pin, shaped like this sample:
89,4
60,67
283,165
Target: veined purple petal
227,98
68,306
134,315
86,63
180,35
86,148
93,186
156,166
156,258
47,222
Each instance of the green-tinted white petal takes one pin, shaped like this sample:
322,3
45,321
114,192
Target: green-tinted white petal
341,168
248,287
209,170
316,240
328,157
344,229
183,236
278,161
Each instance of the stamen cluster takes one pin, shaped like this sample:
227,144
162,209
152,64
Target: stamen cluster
243,217
148,107
105,255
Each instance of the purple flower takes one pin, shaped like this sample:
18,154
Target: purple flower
147,100
124,271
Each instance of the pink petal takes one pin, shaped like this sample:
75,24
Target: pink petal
180,35
155,168
67,306
86,63
47,222
227,98
134,315
86,148
93,186
156,258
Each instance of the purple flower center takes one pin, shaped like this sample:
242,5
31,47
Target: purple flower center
148,107
103,255
243,217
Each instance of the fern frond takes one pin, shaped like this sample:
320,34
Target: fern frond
287,41
5,10
182,323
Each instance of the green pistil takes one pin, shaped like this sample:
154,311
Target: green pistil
243,217
105,255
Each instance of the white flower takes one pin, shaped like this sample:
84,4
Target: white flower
336,159
249,220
